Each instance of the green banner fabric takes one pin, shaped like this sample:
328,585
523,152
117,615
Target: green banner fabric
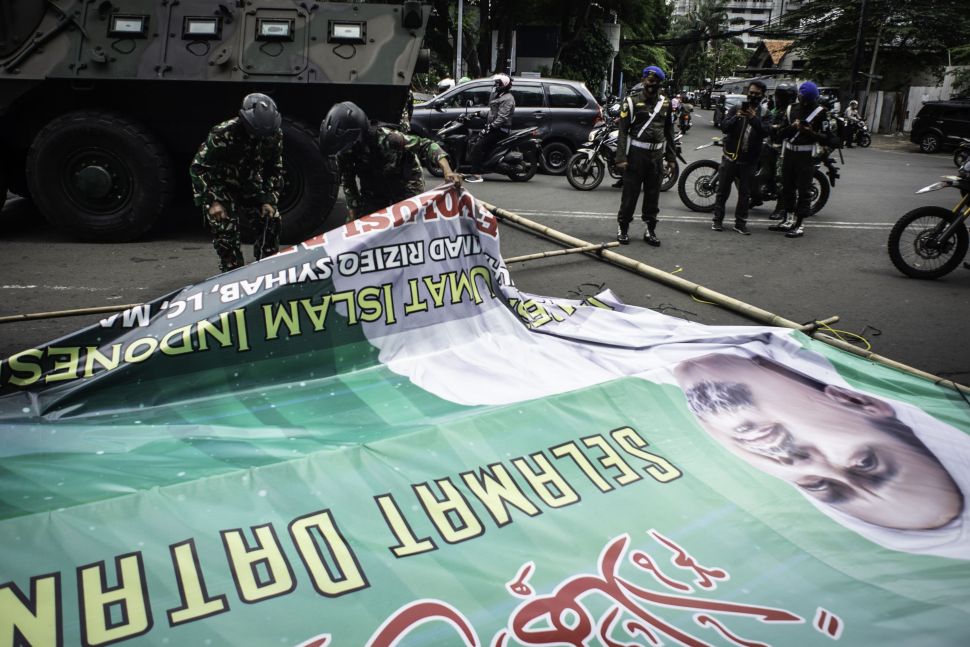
374,438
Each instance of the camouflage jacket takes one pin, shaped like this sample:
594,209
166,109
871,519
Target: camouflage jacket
383,163
232,166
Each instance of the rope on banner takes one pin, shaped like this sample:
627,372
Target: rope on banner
699,292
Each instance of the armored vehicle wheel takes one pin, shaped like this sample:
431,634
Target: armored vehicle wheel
3,187
99,175
309,184
16,174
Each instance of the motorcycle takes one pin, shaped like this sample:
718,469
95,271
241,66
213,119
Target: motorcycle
929,242
862,137
962,154
588,165
698,183
516,156
683,121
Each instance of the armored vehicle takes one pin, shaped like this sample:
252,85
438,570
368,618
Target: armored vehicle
104,102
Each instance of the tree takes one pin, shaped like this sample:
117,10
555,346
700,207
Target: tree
913,36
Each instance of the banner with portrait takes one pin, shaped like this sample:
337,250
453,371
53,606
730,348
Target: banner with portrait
374,438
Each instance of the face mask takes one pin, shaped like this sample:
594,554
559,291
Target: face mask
755,99
650,88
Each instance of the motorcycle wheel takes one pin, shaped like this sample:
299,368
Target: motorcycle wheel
864,140
671,173
529,166
820,191
697,186
583,173
908,248
615,173
960,156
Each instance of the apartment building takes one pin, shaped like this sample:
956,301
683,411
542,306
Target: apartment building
746,15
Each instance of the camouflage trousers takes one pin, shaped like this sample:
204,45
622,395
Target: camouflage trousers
227,234
376,198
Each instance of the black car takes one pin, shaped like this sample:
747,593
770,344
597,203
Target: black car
564,111
941,123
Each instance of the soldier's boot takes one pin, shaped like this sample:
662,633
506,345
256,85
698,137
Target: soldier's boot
623,233
650,235
778,213
718,223
268,241
784,225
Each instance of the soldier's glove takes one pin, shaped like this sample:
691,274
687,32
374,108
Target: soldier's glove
267,211
217,211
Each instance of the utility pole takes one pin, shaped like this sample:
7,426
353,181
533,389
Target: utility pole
461,31
872,70
858,50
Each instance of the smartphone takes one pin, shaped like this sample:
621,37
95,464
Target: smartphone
745,105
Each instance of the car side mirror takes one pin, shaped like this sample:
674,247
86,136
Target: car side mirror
436,106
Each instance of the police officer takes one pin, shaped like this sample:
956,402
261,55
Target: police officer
807,124
769,168
501,107
645,133
238,173
377,164
742,149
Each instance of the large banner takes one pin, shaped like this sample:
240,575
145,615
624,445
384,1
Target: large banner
373,438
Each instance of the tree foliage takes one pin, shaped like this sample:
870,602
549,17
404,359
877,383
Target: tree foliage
913,36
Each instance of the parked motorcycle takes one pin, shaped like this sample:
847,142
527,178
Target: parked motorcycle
516,156
929,242
588,165
962,154
698,183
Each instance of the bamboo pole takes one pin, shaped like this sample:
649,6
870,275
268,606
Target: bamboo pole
560,252
717,298
67,313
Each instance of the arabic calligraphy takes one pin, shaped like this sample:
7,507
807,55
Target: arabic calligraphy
566,616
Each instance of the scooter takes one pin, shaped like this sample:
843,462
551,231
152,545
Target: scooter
516,156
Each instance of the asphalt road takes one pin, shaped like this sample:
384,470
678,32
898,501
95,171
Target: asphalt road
840,267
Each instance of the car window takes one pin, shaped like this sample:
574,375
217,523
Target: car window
477,95
563,96
527,96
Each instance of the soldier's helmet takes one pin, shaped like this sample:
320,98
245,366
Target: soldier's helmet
259,115
344,124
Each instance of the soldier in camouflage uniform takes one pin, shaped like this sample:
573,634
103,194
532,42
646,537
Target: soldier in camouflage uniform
378,164
238,173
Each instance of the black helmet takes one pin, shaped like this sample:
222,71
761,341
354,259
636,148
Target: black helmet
785,93
342,127
259,115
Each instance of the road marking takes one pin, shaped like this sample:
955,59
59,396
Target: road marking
62,287
814,221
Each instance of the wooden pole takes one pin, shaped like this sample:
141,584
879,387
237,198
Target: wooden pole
67,313
723,300
560,252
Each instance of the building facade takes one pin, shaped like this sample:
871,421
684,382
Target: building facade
749,16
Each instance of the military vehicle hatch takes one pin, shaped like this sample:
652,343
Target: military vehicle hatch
104,102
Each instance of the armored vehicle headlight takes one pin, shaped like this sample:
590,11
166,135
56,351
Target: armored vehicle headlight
201,28
274,29
347,32
128,26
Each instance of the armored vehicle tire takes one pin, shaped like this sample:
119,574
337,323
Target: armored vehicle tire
309,184
99,175
3,187
16,175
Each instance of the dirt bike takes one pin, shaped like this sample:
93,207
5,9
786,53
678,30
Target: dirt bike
516,156
862,137
588,165
698,183
929,242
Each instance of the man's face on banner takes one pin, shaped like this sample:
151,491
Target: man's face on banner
843,448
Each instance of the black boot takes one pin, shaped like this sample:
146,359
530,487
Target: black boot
796,230
618,184
622,234
650,237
